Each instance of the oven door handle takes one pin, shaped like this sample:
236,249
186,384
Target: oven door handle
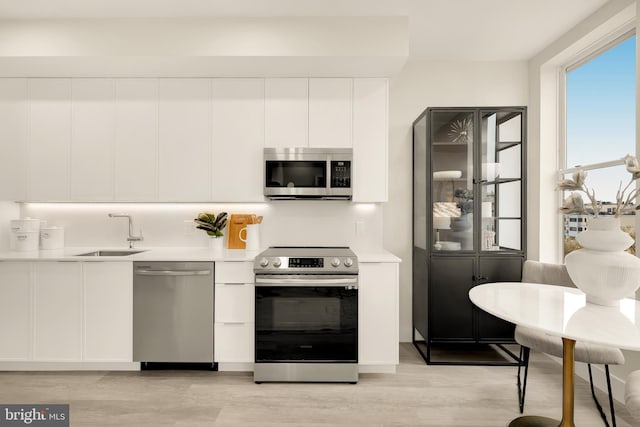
308,282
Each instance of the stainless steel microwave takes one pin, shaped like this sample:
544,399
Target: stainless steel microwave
308,173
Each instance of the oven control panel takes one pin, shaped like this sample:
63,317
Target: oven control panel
307,263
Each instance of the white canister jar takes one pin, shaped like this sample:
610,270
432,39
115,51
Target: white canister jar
25,224
52,238
23,241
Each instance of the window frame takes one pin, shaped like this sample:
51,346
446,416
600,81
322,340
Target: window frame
612,40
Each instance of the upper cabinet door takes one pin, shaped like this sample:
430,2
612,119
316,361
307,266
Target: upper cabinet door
136,152
13,134
286,112
184,139
49,143
370,136
330,112
92,139
238,140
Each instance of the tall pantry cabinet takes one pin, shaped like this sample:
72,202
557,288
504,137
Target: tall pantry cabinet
468,225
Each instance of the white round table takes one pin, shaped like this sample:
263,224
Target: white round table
562,312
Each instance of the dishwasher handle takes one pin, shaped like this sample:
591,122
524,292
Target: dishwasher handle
146,272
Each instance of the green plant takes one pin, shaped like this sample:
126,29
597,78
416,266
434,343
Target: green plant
464,200
213,225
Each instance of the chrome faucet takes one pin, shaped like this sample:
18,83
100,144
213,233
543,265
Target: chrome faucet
131,237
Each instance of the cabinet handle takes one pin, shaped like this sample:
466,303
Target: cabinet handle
233,323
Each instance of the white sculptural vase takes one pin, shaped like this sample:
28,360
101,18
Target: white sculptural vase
602,269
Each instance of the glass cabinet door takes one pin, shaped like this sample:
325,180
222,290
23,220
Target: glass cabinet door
501,183
452,145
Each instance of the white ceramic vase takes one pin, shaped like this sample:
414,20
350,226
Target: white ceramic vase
216,243
602,269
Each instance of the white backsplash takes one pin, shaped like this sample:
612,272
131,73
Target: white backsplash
8,211
304,223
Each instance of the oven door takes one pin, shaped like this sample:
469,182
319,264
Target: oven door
306,319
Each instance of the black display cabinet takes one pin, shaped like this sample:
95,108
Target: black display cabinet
468,225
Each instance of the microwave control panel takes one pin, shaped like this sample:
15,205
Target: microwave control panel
340,174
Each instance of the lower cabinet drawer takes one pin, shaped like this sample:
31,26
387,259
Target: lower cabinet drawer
234,302
234,342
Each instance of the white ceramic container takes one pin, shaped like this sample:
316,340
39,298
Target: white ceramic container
252,236
51,238
25,224
24,240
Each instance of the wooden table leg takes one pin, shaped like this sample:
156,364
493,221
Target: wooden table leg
568,368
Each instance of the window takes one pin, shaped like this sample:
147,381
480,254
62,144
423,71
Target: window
600,126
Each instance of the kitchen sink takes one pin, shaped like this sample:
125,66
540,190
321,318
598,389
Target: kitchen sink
122,252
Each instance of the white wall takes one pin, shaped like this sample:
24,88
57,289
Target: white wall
171,224
8,211
204,46
434,84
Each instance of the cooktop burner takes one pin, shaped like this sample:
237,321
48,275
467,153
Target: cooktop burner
306,260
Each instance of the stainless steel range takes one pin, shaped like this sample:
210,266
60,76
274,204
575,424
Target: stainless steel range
306,315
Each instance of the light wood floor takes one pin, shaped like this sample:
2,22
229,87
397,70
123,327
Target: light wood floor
417,395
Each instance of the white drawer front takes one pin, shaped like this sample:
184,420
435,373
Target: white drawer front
234,302
234,342
234,272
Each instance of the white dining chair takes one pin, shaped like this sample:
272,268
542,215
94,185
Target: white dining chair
632,394
530,339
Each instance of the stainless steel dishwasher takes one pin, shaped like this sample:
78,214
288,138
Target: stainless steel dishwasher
173,312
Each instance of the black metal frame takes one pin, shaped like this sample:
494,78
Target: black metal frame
426,356
522,388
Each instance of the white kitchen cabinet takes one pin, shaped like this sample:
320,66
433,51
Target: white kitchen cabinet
13,137
234,344
57,311
92,139
49,142
136,149
330,112
286,112
234,303
108,311
15,311
238,140
378,337
234,272
185,140
370,140
234,315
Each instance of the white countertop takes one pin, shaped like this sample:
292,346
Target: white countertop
149,254
376,256
166,254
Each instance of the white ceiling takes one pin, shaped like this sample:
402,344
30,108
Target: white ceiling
477,30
